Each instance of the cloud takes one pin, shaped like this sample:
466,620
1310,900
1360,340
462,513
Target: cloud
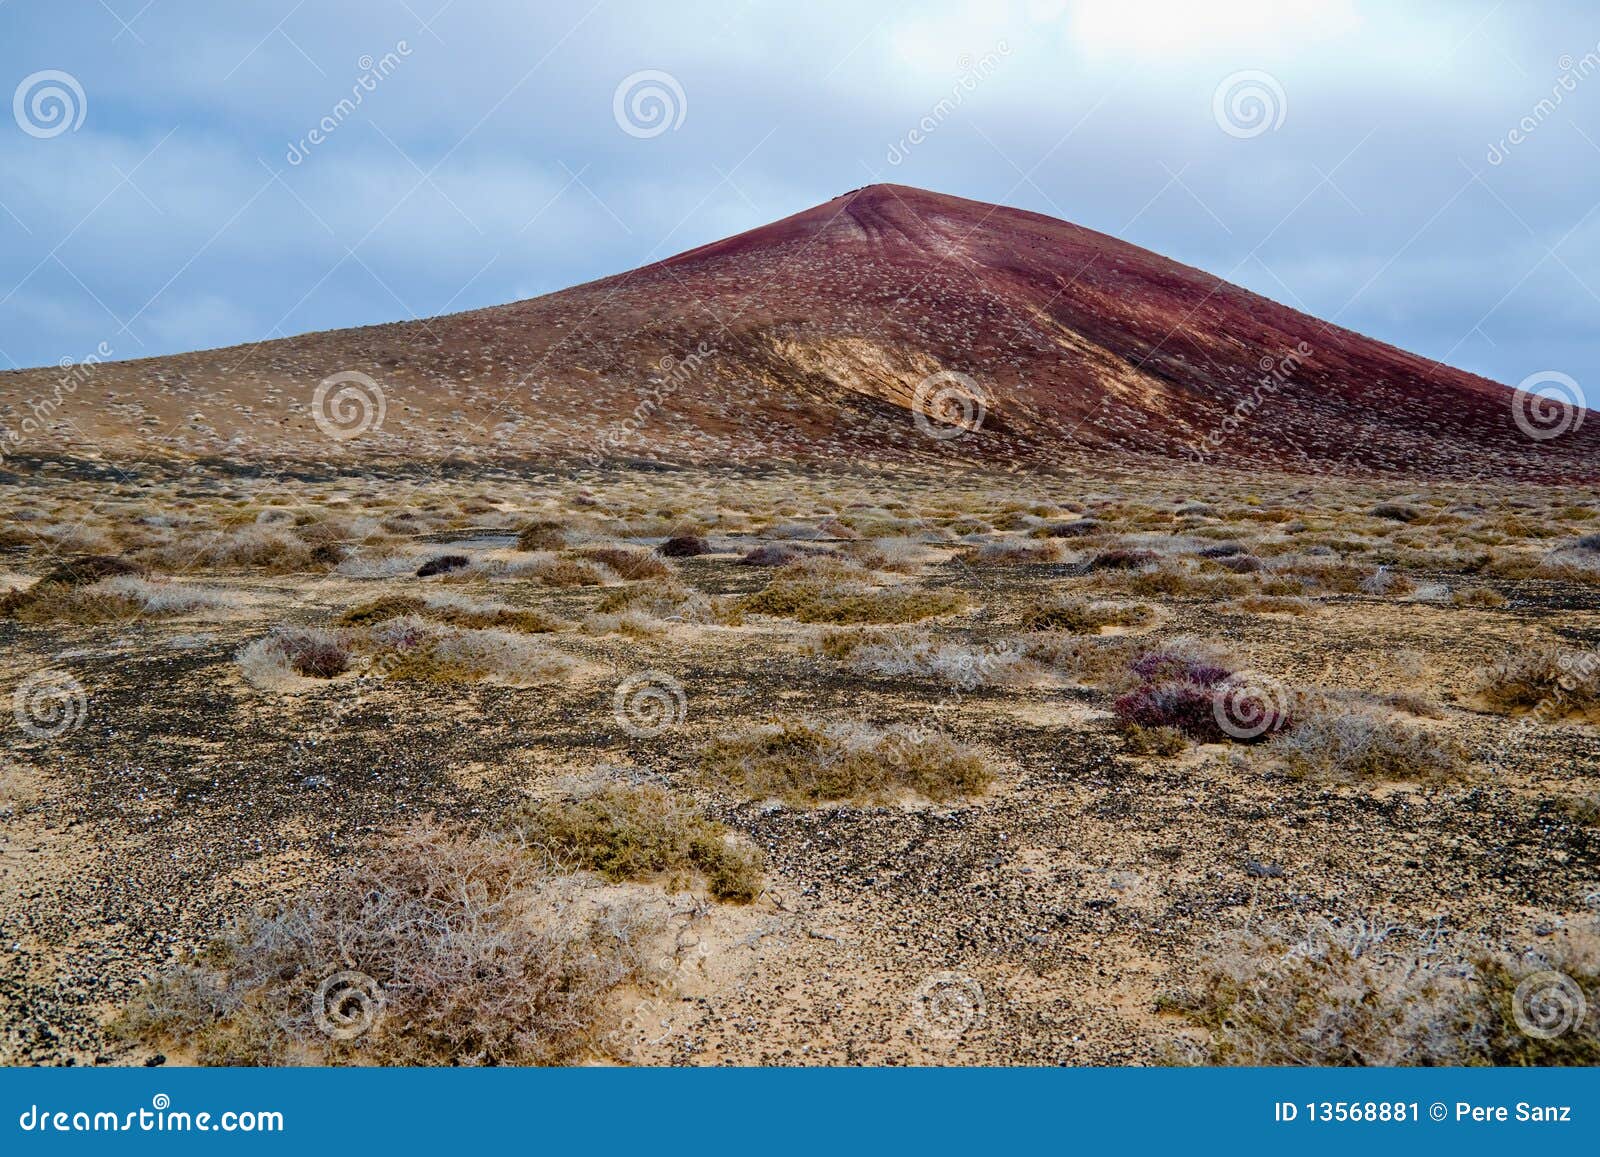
486,163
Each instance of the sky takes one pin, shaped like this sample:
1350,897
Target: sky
178,174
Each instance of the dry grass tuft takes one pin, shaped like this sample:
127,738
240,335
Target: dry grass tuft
1549,681
639,833
1366,994
1330,744
822,598
630,565
1081,616
542,535
807,764
482,956
453,611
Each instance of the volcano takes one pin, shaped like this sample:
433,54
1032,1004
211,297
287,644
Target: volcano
887,324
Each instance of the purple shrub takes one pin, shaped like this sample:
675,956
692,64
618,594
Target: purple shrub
1184,706
1162,667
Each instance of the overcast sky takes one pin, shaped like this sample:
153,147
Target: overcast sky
1353,160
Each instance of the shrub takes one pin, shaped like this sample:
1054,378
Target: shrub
1016,552
443,564
629,564
1138,740
454,611
1078,528
669,599
542,534
382,608
636,833
1184,707
1180,665
1359,745
1123,559
1071,613
1478,597
449,655
480,953
1366,994
564,572
903,555
958,664
1396,511
807,764
1551,681
286,651
1088,659
117,599
684,546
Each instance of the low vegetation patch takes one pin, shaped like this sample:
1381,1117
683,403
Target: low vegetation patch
456,612
1332,744
1365,994
1082,616
441,950
638,833
806,764
1551,682
629,565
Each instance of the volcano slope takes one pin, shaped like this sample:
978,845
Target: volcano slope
767,709
813,339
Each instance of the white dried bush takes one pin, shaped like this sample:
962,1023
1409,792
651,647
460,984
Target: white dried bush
477,950
961,665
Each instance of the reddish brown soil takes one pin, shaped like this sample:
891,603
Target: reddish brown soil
814,332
